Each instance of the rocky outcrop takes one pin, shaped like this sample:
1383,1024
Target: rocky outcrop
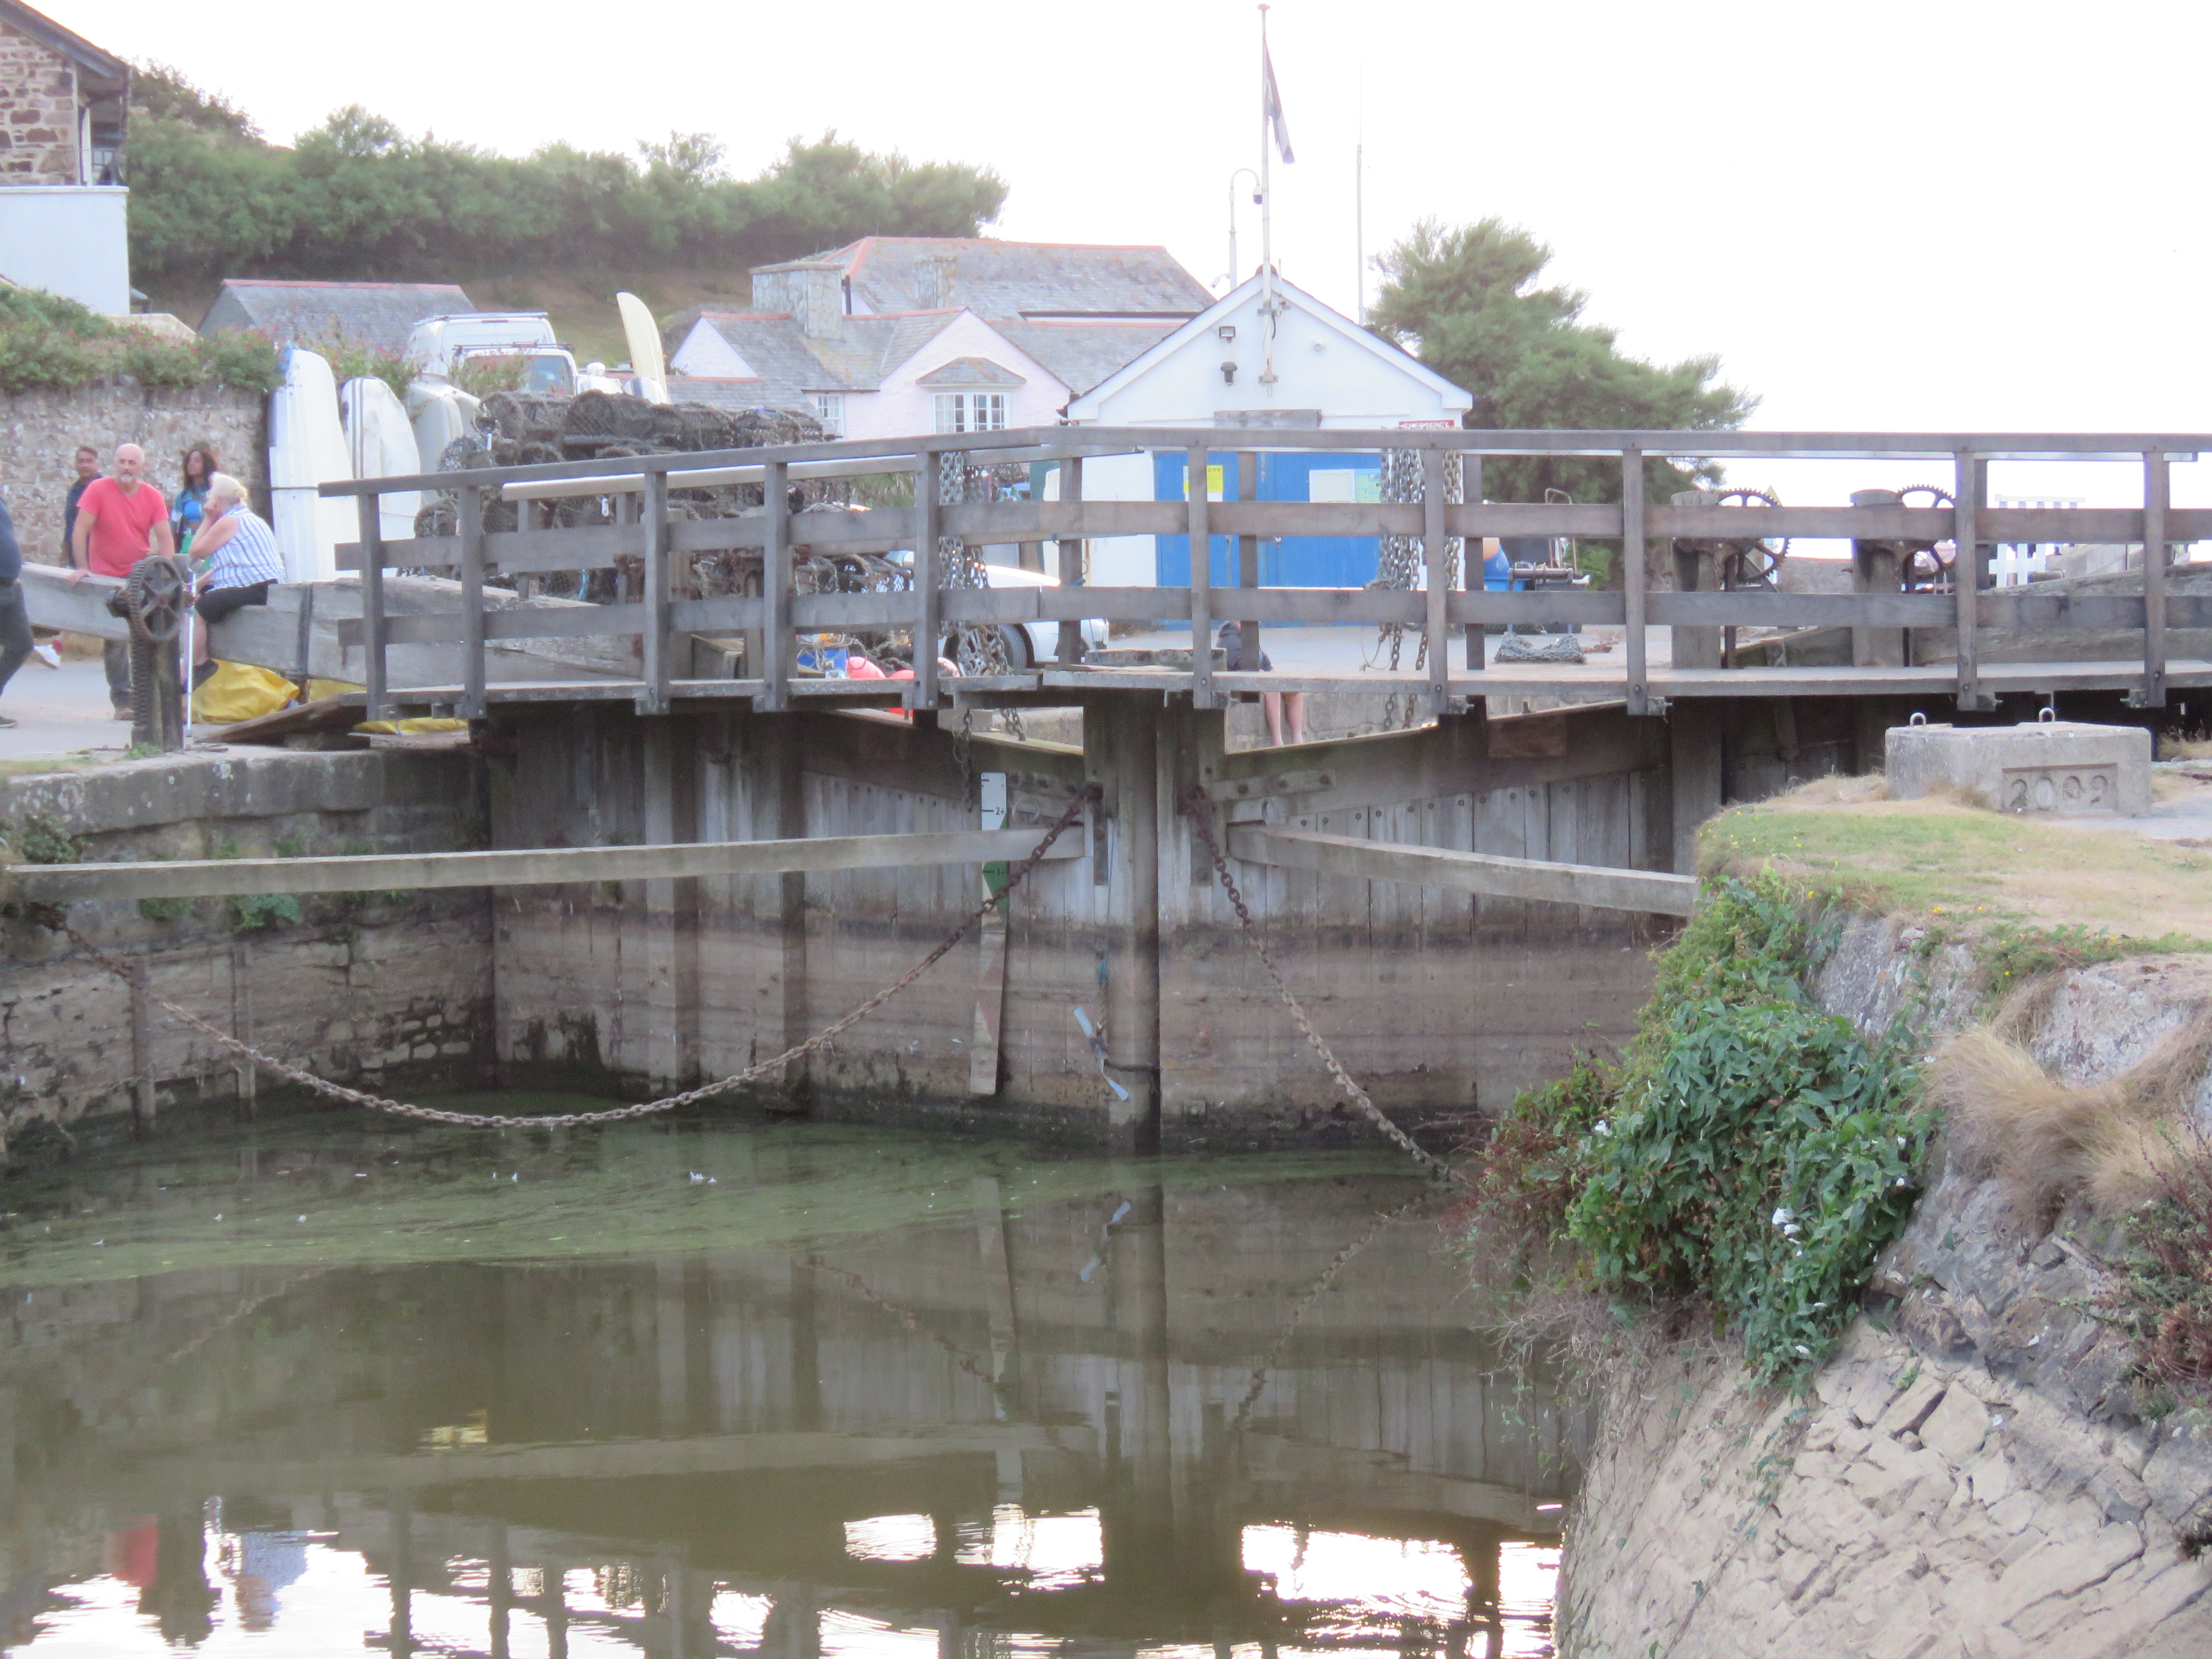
1972,1472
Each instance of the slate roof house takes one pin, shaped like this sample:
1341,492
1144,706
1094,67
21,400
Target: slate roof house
895,334
62,102
304,314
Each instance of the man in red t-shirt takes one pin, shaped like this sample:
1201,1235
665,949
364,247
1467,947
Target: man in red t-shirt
119,521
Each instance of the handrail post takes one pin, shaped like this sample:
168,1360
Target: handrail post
1195,478
652,514
1471,558
1632,577
1965,575
777,652
371,509
472,609
1248,561
2157,484
927,607
1070,652
1436,629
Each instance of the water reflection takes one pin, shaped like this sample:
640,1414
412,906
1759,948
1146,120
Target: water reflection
854,1394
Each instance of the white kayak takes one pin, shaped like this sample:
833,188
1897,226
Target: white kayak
381,442
307,447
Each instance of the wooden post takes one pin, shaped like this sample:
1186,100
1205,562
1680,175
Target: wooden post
1129,728
1965,571
778,648
142,1049
927,606
1248,561
1437,635
1070,652
241,1023
1201,579
1471,557
371,607
2157,484
472,611
1631,576
659,580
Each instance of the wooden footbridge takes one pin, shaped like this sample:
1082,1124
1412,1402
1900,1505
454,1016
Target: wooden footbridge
699,852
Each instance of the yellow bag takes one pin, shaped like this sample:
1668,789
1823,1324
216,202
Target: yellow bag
317,690
238,691
415,726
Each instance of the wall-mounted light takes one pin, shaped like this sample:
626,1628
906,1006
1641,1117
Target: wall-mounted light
1227,330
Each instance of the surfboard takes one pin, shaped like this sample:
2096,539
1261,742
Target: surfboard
380,443
307,447
643,335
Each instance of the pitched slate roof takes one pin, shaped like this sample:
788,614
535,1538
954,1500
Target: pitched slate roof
302,314
971,371
1081,355
787,365
996,279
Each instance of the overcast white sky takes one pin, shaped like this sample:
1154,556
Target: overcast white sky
1936,215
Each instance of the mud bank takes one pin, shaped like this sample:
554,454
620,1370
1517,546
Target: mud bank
1974,1472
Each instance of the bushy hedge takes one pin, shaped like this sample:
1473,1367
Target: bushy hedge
50,344
1748,1149
358,198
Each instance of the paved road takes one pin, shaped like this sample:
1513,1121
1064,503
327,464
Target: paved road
59,711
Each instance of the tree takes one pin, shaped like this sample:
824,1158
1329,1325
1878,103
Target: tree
358,198
1464,300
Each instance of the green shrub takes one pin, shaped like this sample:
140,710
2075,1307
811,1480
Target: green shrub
36,358
242,359
248,911
1749,1149
152,361
37,308
350,359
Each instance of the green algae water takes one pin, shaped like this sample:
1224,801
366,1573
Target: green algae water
725,1387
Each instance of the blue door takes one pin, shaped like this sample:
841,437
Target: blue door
1293,561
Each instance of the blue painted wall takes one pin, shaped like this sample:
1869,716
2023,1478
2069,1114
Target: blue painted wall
1293,562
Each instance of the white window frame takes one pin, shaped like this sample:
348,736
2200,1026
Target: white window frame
830,411
969,411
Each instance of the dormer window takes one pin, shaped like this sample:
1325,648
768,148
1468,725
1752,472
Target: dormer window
971,411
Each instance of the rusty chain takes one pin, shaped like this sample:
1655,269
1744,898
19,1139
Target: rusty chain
339,1091
1200,810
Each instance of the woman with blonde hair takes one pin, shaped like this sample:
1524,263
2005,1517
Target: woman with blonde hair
242,561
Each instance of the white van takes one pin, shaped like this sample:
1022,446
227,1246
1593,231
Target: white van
439,346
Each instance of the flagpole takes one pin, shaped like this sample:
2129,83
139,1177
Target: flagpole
1267,225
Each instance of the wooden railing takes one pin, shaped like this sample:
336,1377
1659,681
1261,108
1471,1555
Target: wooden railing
663,619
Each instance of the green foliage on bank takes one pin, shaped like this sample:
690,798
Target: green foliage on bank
358,198
50,344
1748,1149
1464,299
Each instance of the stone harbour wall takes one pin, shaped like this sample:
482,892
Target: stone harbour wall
1972,1475
39,432
372,989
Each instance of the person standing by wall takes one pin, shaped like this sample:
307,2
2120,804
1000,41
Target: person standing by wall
14,620
120,519
88,468
195,473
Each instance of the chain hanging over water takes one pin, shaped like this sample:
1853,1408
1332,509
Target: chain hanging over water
766,1068
1200,810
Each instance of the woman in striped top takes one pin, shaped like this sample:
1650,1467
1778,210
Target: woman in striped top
242,561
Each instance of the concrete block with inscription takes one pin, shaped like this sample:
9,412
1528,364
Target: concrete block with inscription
2063,768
